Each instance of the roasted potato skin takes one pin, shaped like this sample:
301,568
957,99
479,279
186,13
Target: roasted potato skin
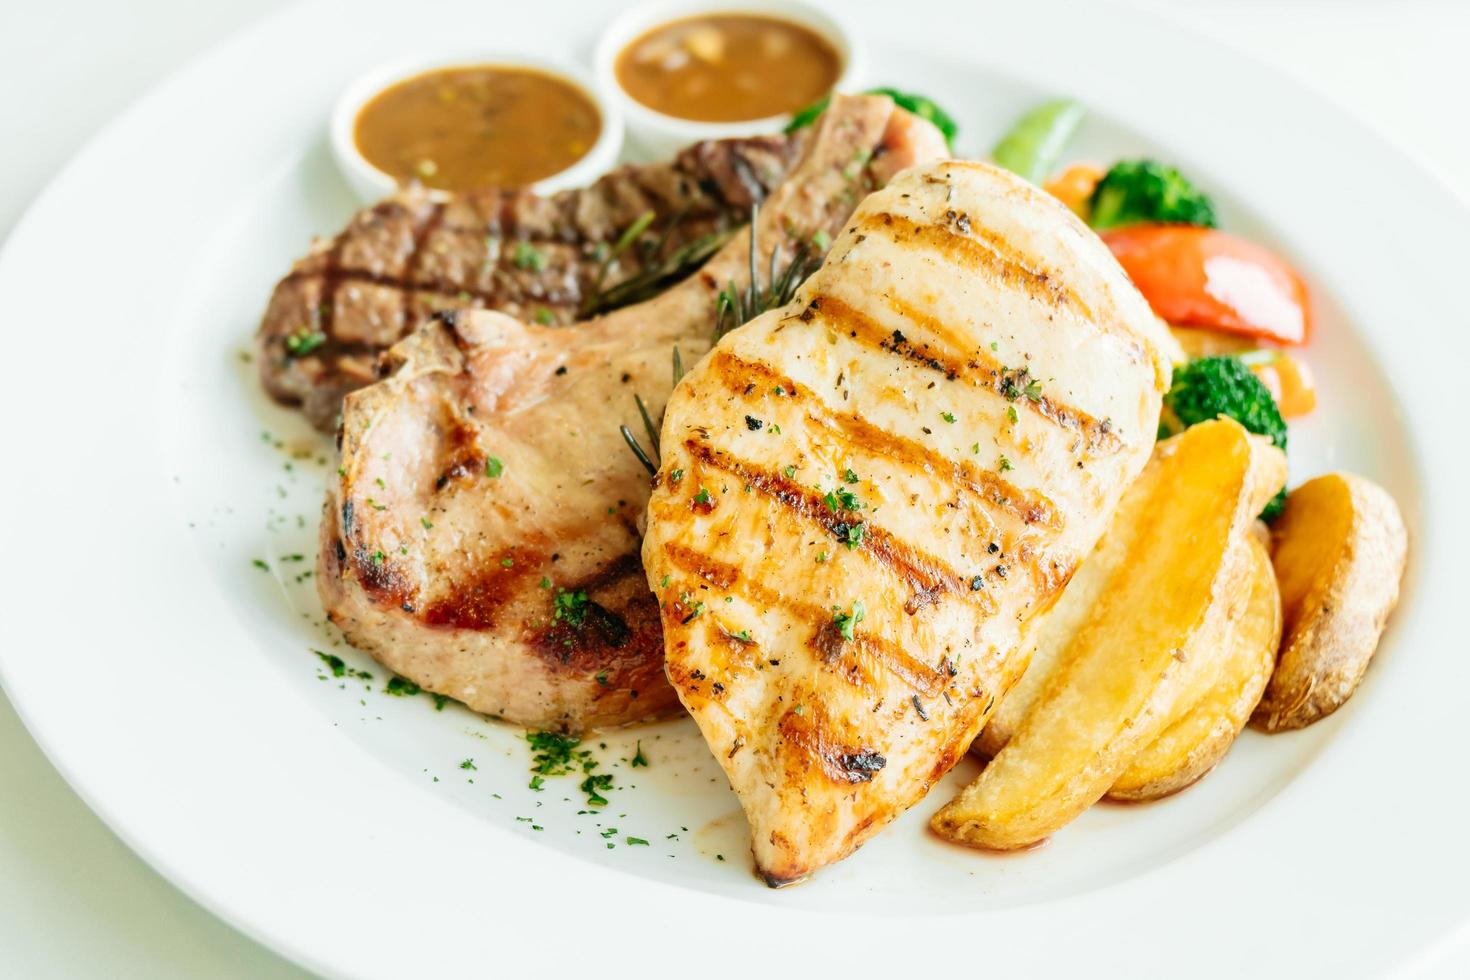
1339,550
1145,651
1197,741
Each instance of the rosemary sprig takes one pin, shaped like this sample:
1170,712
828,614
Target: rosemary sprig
648,425
658,273
625,240
648,464
733,307
650,461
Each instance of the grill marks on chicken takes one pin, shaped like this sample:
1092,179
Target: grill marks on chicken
974,483
536,258
483,540
949,411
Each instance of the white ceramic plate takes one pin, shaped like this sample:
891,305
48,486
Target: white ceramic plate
170,679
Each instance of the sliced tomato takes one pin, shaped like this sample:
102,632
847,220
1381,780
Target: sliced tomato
1207,278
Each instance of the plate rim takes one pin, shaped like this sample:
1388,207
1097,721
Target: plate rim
104,798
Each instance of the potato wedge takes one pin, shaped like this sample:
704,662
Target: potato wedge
1054,634
1340,548
1133,662
1076,606
1198,740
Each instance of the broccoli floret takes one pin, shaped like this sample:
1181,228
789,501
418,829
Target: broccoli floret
1210,387
1145,190
920,106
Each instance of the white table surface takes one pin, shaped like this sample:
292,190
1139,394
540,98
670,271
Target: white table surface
74,901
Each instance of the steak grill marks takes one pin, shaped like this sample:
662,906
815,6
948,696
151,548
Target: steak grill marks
415,255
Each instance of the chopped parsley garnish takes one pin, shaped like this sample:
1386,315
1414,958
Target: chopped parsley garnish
545,582
694,613
507,562
663,583
401,687
303,342
948,417
339,667
1003,464
537,782
790,472
468,764
428,524
854,536
842,499
593,785
440,700
601,678
702,497
639,759
847,622
821,557
1033,390
527,256
821,239
258,563
378,557
636,840
552,754
849,476
570,607
1011,415
493,466
675,477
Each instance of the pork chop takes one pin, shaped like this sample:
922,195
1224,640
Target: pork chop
866,497
540,259
483,538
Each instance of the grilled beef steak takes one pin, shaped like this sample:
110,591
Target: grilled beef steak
539,259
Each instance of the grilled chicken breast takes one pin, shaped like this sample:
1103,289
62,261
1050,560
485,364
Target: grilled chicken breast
539,259
483,538
866,497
